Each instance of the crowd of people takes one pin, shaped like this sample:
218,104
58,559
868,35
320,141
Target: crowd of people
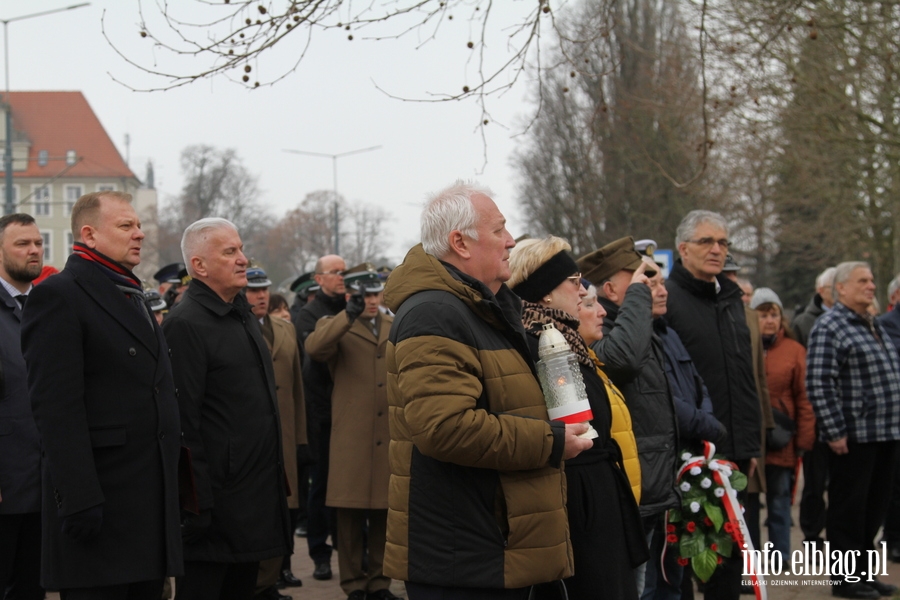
199,430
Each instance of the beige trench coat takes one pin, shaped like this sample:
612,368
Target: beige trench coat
291,407
358,471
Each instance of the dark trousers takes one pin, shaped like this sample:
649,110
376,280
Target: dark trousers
141,590
321,518
422,591
20,556
725,584
216,581
892,520
858,495
815,482
353,527
286,559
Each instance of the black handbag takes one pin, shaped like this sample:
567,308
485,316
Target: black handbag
783,433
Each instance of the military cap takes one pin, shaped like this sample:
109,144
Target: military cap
603,263
155,300
731,264
170,273
363,276
305,284
646,247
256,278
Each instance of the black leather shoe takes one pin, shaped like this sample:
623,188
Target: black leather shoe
854,590
384,594
322,572
289,579
357,595
270,593
883,589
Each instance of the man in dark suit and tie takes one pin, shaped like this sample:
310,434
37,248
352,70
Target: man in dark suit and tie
103,396
21,258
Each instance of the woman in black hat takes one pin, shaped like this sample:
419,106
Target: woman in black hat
604,523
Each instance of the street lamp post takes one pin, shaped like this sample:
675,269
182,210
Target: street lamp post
9,206
334,158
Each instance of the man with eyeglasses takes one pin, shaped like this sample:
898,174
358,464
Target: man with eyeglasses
634,359
317,388
706,310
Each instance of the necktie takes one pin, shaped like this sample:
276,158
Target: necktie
21,298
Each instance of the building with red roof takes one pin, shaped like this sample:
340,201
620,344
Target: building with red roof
60,152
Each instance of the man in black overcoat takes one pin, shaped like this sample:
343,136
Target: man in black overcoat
101,387
329,300
229,416
21,258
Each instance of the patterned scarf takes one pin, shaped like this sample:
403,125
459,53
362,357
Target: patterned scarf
122,278
535,316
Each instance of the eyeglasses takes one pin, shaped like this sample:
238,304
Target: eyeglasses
333,272
708,242
576,279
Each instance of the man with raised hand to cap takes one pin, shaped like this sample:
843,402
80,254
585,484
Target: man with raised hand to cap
21,256
104,401
634,359
229,418
168,276
353,344
282,343
477,500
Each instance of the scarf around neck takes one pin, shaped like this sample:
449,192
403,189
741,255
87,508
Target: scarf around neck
535,316
126,281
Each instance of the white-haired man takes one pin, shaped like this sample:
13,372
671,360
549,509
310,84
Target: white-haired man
477,496
853,383
229,415
819,304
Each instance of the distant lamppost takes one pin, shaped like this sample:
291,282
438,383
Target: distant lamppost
334,158
9,206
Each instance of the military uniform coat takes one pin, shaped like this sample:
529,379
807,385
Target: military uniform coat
359,470
289,390
101,388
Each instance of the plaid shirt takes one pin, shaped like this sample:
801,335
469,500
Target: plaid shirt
853,378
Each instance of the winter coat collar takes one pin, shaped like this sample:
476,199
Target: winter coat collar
335,303
421,272
704,289
206,297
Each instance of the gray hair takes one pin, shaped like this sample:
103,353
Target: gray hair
692,221
842,273
195,236
893,286
448,210
826,278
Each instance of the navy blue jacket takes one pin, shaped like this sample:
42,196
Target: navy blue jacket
693,408
20,442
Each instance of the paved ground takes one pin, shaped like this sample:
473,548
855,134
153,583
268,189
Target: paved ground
779,588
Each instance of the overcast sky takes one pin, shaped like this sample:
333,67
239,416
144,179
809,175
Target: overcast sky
329,105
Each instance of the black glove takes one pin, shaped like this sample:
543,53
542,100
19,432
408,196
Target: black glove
195,527
355,306
84,525
722,436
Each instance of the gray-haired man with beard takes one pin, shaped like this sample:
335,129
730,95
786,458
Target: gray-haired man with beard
21,258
